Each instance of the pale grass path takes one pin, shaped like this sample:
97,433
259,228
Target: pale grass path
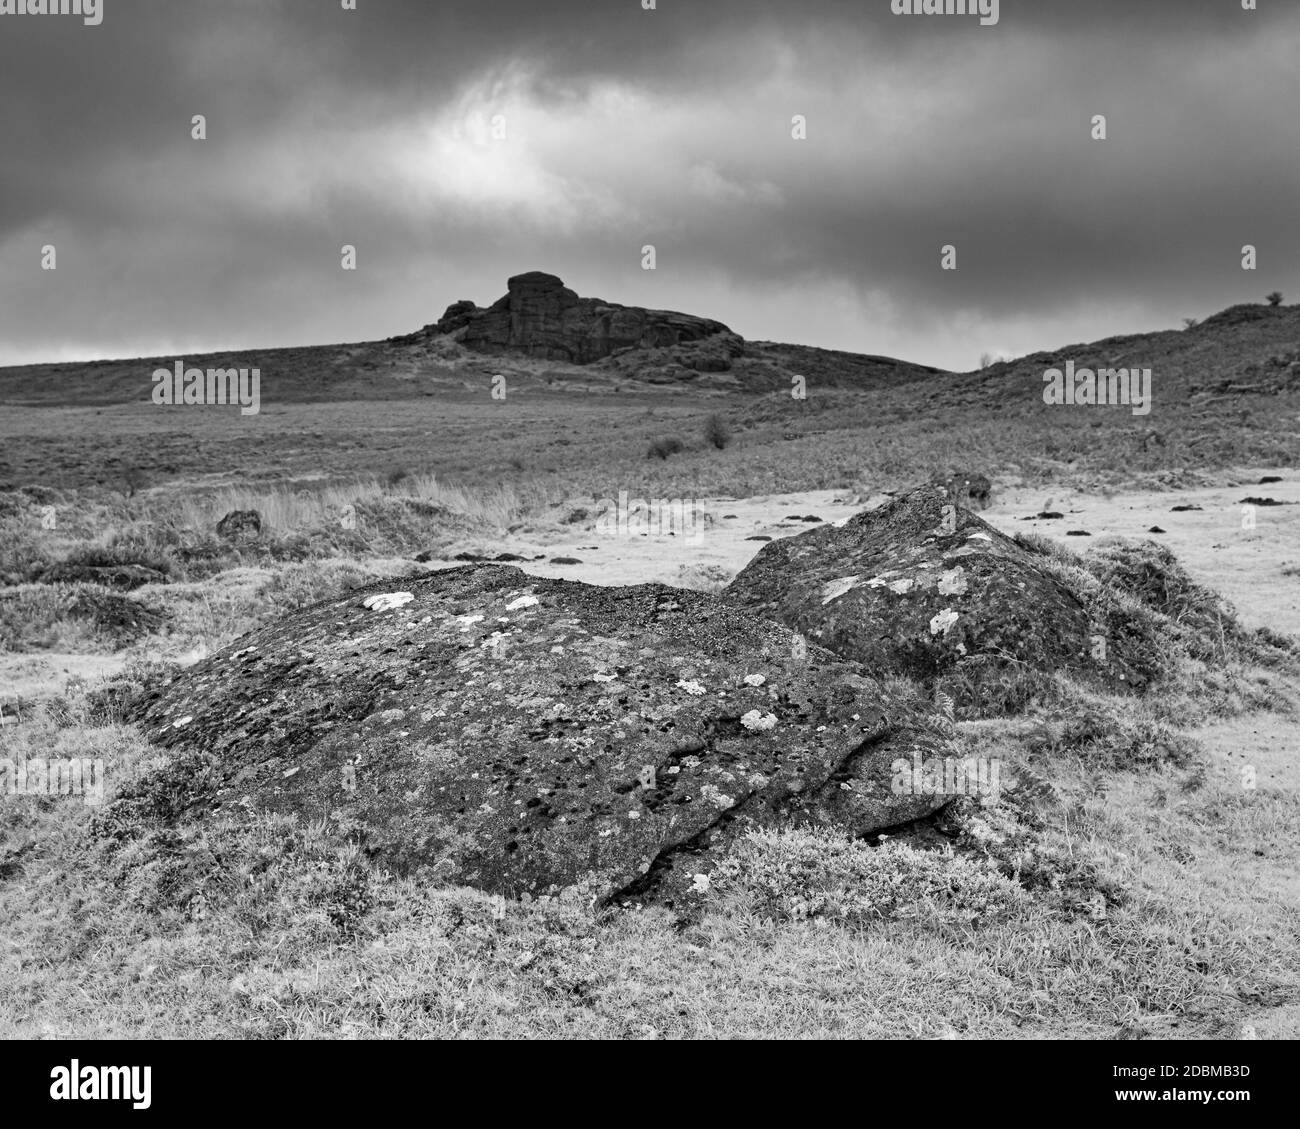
1244,565
1269,745
29,676
722,543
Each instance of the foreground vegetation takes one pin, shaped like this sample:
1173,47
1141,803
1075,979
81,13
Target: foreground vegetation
1125,883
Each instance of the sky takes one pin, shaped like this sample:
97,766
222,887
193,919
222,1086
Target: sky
454,144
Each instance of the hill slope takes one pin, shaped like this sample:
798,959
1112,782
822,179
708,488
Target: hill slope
541,335
538,335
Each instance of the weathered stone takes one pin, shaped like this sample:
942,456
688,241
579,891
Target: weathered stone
924,588
486,727
239,524
458,315
974,491
540,317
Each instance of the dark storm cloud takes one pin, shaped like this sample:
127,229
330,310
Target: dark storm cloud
628,127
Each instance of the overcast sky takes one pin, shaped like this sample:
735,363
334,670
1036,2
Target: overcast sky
626,127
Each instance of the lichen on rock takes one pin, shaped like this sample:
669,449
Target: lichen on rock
526,735
923,588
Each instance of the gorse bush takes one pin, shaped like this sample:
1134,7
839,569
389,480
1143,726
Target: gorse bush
797,875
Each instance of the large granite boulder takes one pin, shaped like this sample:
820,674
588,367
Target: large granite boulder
924,588
482,726
540,317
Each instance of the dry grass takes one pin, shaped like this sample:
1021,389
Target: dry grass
294,510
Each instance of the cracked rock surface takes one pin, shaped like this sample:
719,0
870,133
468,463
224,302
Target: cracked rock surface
485,727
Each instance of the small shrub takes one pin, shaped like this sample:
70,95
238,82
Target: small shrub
1274,299
717,432
662,448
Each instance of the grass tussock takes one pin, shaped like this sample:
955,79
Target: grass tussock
801,875
1186,639
294,510
82,618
